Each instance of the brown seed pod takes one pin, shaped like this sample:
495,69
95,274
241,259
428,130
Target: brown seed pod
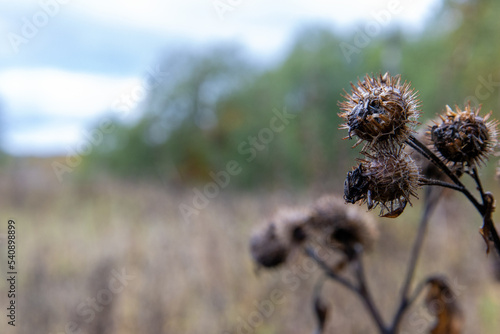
342,226
463,137
388,179
272,245
381,111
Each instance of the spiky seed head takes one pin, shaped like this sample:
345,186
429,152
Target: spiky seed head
342,226
381,111
463,137
386,178
272,245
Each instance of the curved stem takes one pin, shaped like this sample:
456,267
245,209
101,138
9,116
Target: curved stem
422,149
417,291
418,146
485,209
361,289
329,272
431,182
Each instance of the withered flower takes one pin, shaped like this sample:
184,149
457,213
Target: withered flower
381,111
272,245
463,137
388,178
328,223
343,227
442,303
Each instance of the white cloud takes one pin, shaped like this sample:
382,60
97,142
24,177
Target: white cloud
44,140
60,105
74,98
248,21
53,92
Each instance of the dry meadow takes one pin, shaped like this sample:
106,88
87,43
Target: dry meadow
108,256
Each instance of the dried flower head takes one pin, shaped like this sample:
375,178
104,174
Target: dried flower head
380,110
387,178
463,137
272,245
343,227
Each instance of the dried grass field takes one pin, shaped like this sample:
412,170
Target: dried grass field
116,257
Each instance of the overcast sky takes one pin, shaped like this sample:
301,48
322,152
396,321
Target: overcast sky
65,63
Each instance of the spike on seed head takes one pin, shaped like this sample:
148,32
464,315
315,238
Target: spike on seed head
380,110
463,137
386,178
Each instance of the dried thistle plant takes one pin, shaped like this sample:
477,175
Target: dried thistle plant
382,112
463,137
388,178
327,224
272,245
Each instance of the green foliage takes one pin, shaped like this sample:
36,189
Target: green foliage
213,106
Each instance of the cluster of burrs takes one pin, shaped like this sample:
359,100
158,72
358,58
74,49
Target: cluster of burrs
382,113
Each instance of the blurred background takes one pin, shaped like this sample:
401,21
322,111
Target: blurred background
141,144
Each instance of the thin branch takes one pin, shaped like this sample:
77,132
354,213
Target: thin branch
361,289
424,150
432,182
329,272
476,178
321,309
430,204
367,297
418,290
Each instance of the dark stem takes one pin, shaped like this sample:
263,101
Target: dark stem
424,150
361,289
367,297
417,291
329,272
432,182
430,204
476,178
321,309
488,230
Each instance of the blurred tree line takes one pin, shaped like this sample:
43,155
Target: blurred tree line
215,106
